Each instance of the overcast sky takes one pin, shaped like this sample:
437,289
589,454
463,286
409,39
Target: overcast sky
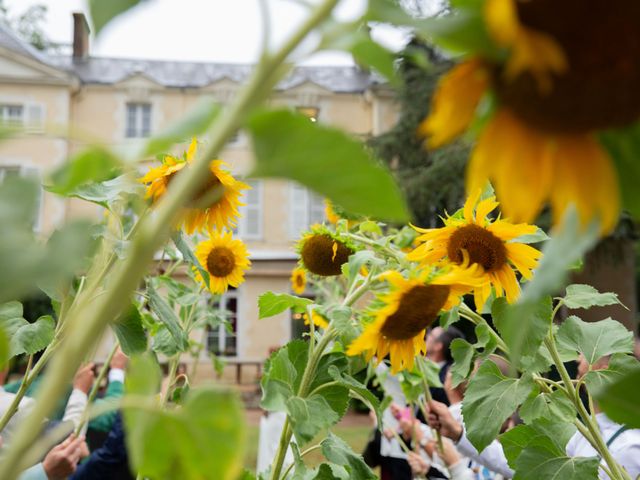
195,30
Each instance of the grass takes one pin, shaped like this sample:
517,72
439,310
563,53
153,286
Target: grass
356,436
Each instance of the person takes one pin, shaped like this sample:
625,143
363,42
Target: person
60,462
456,464
439,351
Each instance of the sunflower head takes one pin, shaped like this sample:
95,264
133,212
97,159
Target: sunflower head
471,238
298,280
410,306
318,320
323,252
213,206
225,259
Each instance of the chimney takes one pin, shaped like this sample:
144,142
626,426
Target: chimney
80,36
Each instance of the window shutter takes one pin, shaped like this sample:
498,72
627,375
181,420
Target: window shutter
34,119
316,208
299,211
250,224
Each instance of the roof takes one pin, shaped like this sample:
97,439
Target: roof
176,74
11,41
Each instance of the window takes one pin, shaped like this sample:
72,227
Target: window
250,221
309,112
306,209
8,171
223,339
138,120
12,114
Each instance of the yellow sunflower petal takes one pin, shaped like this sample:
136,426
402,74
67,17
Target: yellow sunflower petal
524,257
470,204
483,209
506,231
509,282
455,102
502,20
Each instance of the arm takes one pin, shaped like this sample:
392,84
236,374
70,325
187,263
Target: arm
34,473
78,399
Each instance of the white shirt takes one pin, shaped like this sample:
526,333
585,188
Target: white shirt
24,407
625,449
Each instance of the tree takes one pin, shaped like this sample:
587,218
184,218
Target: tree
433,180
28,25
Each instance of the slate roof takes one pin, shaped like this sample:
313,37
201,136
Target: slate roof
10,41
174,74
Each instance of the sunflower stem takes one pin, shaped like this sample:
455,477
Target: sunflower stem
477,319
90,317
428,398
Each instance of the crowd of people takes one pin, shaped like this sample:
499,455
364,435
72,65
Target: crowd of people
407,447
98,451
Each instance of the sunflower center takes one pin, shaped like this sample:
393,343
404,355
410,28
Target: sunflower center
418,308
220,262
599,90
482,246
299,281
205,196
323,255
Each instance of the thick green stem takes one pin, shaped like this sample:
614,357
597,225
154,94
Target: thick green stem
95,387
595,437
302,454
173,368
472,316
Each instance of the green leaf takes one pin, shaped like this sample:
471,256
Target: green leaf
309,416
553,406
33,337
4,348
366,52
94,164
195,122
104,193
490,399
538,460
12,309
103,12
369,226
168,317
358,389
557,434
187,254
143,375
430,370
270,304
595,340
462,353
178,443
624,147
619,400
522,326
288,145
568,244
619,366
282,375
339,452
449,318
585,296
360,259
131,335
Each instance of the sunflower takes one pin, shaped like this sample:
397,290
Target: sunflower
408,309
323,252
570,71
225,259
202,211
318,320
475,239
329,212
298,280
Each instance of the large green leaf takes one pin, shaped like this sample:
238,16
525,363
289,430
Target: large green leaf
489,400
309,416
270,304
103,12
179,443
585,296
130,333
358,389
4,348
167,316
553,406
143,375
12,309
539,460
366,52
32,337
619,366
289,145
569,242
522,327
104,193
595,340
464,353
282,375
339,452
187,254
94,164
195,122
619,400
624,147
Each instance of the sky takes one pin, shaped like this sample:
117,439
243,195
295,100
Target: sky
198,30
